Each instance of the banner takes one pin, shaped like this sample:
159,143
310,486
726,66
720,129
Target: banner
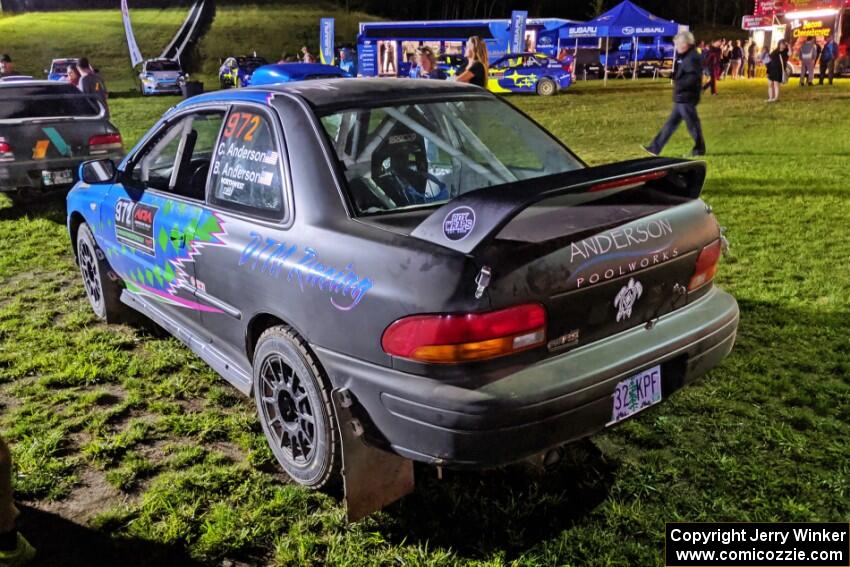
326,41
582,31
806,5
756,22
135,54
518,19
767,7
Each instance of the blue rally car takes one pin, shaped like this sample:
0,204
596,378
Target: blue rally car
530,73
58,70
396,276
278,73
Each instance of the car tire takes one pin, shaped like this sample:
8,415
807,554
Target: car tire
295,409
103,288
546,87
23,196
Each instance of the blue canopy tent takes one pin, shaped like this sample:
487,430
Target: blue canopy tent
624,20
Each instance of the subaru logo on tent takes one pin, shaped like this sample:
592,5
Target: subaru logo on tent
583,31
628,30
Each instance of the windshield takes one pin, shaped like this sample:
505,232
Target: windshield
30,102
414,155
154,66
61,67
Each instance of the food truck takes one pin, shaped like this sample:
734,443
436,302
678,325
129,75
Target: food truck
387,49
796,20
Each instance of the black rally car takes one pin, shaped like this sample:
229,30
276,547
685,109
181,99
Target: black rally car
47,129
406,270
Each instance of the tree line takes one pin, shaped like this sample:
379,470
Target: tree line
694,12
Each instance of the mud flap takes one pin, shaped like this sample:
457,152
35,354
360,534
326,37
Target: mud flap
372,478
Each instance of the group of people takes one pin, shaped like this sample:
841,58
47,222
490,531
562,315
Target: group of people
86,78
723,58
477,68
81,75
425,65
738,59
810,54
691,64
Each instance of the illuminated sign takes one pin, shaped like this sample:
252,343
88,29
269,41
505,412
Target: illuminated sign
771,7
767,7
815,28
756,22
786,6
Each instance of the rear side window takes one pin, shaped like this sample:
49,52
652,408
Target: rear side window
60,101
246,172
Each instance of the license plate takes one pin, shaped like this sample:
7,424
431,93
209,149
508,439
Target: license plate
59,177
635,394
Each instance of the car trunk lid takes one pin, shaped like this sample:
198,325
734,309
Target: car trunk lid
603,249
619,264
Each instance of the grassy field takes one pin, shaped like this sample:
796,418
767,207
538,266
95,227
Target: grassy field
33,39
128,447
272,31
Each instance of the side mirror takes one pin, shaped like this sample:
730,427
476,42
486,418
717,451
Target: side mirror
98,171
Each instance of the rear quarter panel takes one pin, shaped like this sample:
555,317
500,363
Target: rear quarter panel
405,275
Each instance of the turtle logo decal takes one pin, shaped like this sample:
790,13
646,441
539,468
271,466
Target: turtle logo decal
627,298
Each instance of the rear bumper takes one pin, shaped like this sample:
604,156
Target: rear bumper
556,401
19,174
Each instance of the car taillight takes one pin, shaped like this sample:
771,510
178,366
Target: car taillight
5,150
102,143
465,337
706,268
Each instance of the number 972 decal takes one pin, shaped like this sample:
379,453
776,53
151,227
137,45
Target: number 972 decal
242,125
134,225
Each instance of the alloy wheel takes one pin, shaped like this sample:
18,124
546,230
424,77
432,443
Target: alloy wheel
287,410
91,274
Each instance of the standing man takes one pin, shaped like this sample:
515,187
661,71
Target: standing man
15,550
808,57
347,61
713,63
7,68
91,83
687,87
827,59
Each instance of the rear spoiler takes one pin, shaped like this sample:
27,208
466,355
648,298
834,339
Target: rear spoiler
468,221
